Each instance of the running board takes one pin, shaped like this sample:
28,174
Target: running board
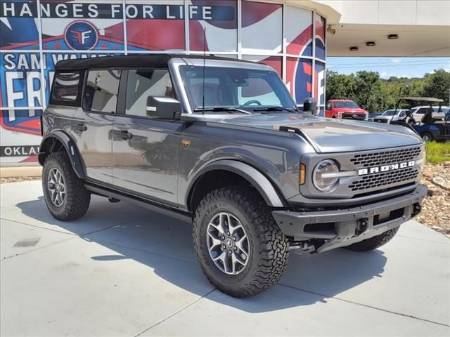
151,205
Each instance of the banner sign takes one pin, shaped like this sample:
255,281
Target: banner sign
114,11
19,150
35,35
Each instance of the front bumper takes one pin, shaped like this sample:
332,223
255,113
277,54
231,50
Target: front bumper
343,227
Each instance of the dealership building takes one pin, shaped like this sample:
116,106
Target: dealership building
288,35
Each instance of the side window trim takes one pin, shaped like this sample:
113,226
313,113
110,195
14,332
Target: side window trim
86,75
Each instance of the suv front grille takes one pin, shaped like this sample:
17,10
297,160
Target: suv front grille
381,180
385,157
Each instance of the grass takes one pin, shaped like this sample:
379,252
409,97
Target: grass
438,153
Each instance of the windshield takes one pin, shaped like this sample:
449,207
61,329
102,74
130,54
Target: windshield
235,90
389,113
345,104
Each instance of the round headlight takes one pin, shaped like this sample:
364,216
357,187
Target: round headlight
323,175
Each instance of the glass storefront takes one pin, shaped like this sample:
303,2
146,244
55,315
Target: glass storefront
35,35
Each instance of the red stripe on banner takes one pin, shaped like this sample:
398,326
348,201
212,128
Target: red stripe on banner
320,27
275,62
299,43
30,159
307,68
156,34
27,129
253,12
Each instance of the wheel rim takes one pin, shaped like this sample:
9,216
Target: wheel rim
426,138
56,187
228,244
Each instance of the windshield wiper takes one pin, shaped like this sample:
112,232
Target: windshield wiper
273,108
222,109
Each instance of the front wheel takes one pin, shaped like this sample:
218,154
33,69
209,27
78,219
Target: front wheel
239,246
427,137
374,242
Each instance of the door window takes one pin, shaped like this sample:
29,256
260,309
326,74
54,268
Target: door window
101,90
144,83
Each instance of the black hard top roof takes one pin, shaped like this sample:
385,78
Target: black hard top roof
129,61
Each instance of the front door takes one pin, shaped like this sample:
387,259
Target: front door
145,148
92,130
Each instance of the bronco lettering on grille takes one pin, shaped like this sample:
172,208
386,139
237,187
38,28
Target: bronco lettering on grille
386,168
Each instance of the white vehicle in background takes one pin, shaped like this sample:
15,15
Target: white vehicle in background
391,115
438,112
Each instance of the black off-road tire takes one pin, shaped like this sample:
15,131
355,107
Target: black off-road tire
77,198
269,248
374,242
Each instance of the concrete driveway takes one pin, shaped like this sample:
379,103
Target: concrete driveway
124,271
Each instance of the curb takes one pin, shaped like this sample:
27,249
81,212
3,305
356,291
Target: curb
23,171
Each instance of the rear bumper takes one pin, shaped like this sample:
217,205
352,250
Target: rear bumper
342,227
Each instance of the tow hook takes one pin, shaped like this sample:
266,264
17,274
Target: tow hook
361,226
417,209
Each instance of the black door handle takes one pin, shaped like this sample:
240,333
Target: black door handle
81,127
125,135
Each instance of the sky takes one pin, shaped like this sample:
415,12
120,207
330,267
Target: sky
389,66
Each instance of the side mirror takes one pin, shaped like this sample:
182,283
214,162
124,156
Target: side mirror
162,107
309,105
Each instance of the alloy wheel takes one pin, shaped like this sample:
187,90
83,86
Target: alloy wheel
228,244
56,186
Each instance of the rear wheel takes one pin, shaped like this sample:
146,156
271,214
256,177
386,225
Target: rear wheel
64,193
374,242
240,247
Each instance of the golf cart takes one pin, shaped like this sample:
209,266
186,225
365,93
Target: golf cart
426,116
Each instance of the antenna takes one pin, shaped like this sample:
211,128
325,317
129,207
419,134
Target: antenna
204,67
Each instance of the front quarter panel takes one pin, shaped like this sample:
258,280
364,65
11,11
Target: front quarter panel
276,155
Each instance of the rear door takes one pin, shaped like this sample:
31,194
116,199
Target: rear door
93,124
145,148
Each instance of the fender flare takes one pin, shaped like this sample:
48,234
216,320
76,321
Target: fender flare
259,181
70,147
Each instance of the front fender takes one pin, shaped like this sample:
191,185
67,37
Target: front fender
48,143
249,173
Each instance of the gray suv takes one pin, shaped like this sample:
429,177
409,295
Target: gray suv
221,143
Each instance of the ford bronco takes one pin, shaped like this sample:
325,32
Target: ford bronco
220,142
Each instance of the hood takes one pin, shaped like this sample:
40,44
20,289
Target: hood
328,135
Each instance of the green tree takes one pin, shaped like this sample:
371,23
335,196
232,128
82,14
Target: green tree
437,85
339,85
376,94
